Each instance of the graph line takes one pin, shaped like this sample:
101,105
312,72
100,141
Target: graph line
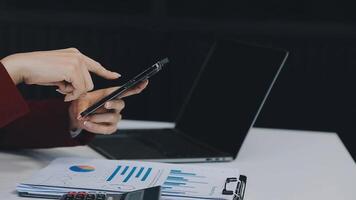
139,172
114,173
146,174
124,171
130,174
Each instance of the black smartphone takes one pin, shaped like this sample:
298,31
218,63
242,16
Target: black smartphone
129,84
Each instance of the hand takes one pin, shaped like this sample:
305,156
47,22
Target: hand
105,119
66,68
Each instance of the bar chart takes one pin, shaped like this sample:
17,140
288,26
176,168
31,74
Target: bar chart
126,173
180,182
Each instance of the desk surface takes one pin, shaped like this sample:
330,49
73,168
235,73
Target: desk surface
280,165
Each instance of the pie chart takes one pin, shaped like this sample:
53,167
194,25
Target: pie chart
82,168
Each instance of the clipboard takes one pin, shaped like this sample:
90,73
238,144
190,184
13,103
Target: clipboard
68,174
239,192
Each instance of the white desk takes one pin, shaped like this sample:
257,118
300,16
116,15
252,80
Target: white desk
279,164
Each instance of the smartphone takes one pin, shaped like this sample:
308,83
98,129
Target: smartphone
149,72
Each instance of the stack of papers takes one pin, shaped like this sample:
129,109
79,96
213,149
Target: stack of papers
117,176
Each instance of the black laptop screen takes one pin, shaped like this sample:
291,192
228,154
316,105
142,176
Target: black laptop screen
228,94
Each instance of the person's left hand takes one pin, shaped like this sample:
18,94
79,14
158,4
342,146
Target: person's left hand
105,119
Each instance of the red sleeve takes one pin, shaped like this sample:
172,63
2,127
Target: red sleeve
46,125
33,124
12,105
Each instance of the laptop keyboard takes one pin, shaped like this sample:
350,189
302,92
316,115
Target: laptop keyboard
168,142
151,144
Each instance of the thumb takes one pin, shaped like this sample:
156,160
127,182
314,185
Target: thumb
81,106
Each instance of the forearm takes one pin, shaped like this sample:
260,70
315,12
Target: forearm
45,126
15,70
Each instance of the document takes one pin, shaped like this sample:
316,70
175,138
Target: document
118,176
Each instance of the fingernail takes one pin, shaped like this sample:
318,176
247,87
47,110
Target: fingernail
117,74
59,91
107,105
79,117
68,97
87,124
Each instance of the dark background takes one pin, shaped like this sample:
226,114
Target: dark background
315,91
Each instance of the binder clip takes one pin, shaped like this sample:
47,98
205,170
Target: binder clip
228,180
240,188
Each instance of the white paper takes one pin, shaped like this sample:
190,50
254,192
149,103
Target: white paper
118,176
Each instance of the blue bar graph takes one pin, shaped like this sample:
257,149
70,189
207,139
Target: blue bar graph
174,183
139,172
125,170
174,192
179,172
146,174
181,182
126,173
114,173
176,178
130,174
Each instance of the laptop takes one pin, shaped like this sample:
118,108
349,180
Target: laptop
227,95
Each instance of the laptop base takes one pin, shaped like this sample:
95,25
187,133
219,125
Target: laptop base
165,145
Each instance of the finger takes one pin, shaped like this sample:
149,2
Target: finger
98,69
61,92
102,110
109,118
77,81
117,105
80,107
87,79
108,91
65,87
99,128
135,90
70,49
114,109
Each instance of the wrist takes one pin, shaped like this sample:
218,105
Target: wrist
15,70
74,129
73,124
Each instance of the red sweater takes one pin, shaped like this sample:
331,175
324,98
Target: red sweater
33,124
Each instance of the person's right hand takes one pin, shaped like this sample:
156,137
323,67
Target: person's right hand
66,68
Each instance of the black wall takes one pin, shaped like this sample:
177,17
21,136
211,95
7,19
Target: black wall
315,90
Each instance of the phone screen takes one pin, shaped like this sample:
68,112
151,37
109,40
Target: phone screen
149,72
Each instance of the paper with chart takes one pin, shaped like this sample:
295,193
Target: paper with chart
68,174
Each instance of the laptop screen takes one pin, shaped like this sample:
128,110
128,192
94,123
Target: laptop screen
228,93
